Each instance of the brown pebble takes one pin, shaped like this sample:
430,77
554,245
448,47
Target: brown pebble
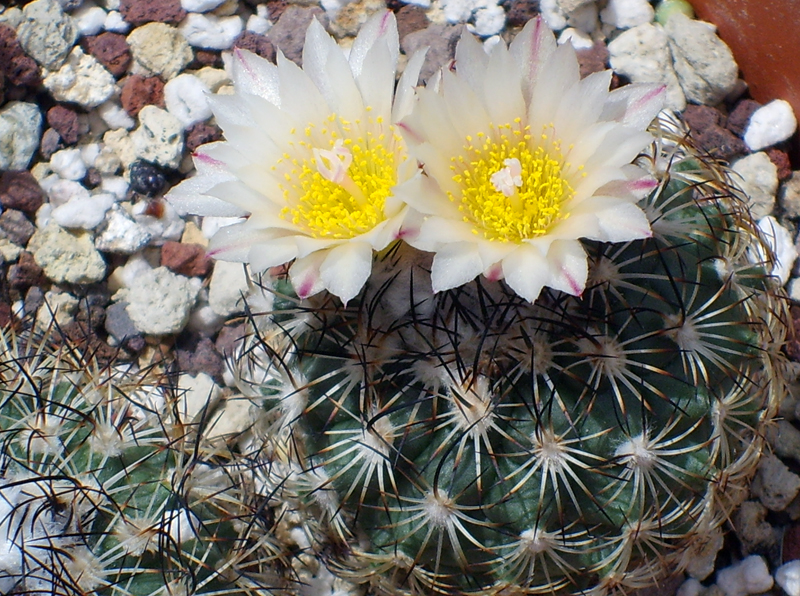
21,191
275,8
93,178
65,122
111,50
594,59
700,118
740,116
5,314
781,160
205,58
720,142
256,43
50,143
411,18
521,11
138,91
25,273
185,259
18,67
203,357
200,134
139,12
15,226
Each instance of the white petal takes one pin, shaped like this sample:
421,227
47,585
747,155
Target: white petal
272,253
635,105
581,106
502,88
531,49
622,221
558,74
471,61
254,75
376,81
304,275
437,231
346,269
299,95
234,242
494,252
423,194
404,97
525,271
454,265
189,197
568,267
464,108
380,28
276,123
229,111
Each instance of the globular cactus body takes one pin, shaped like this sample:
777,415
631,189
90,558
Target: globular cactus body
472,442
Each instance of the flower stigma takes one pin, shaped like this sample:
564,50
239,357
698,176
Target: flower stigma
337,179
512,189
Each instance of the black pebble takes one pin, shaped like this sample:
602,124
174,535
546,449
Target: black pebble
146,178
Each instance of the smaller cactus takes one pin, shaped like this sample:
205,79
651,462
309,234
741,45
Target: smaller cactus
105,490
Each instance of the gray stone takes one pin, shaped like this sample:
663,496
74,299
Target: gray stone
16,227
82,80
440,39
120,233
704,64
160,302
67,256
752,529
20,131
118,324
288,34
789,196
774,484
46,33
158,48
758,178
642,54
783,436
159,138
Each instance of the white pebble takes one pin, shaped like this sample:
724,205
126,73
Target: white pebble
458,11
749,576
68,164
126,276
691,587
84,213
578,39
167,227
186,98
552,14
625,14
116,185
114,22
90,153
780,241
205,320
770,124
787,577
258,24
116,117
200,5
489,21
90,19
211,32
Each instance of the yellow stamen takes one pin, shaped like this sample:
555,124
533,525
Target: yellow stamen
511,188
337,183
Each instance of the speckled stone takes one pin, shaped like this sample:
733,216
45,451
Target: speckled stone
200,134
111,50
160,49
65,122
138,91
47,33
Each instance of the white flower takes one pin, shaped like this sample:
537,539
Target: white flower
311,158
521,159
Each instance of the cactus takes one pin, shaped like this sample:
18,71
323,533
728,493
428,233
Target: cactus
470,442
106,490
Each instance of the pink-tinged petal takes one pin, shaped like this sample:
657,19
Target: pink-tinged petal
233,243
471,61
404,96
385,232
346,269
622,222
525,271
568,267
380,28
531,49
494,273
635,105
636,188
305,277
454,265
254,75
272,253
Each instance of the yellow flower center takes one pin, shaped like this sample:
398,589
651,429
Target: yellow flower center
512,189
340,175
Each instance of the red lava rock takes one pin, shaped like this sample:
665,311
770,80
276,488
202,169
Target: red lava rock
5,314
111,50
21,191
138,91
139,12
740,116
200,134
700,118
720,142
65,122
411,18
205,58
25,273
521,11
256,43
185,259
781,160
289,32
594,59
18,67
